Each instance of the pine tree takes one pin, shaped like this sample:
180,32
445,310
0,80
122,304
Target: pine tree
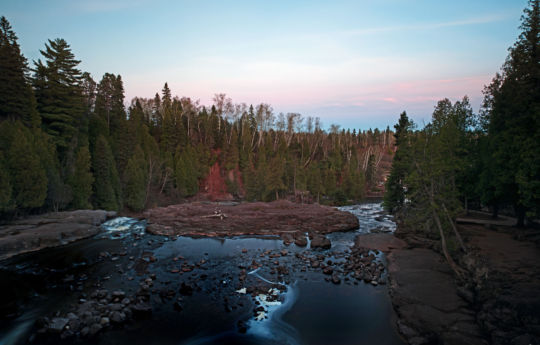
273,179
82,179
186,172
512,112
16,97
109,103
58,93
28,178
135,178
107,190
394,196
6,203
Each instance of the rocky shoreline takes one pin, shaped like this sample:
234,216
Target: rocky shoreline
49,230
497,303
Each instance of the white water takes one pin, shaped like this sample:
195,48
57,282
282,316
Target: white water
121,227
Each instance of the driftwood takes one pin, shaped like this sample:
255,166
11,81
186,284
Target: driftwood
217,214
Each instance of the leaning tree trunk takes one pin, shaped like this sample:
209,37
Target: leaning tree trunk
449,259
458,236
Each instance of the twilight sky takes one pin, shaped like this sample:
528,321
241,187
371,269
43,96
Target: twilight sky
354,63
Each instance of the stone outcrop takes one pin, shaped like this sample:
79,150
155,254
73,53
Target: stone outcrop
49,230
426,299
275,218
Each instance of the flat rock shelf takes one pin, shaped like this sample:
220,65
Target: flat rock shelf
275,218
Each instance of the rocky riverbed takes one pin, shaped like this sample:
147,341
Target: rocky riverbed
128,286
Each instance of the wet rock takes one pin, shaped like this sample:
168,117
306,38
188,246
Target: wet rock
116,306
335,278
242,328
186,290
94,329
284,252
315,264
126,301
287,239
74,324
178,306
85,331
119,294
320,241
118,317
141,310
57,324
328,270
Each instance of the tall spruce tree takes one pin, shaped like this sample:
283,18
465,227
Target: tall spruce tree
28,178
107,189
135,177
59,93
6,202
17,100
394,196
512,111
82,179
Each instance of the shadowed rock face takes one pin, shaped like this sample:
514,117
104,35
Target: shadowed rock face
49,230
275,218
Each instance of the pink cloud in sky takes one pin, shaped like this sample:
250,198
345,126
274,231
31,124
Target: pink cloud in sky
416,95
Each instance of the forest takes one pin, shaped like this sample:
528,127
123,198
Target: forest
69,142
462,160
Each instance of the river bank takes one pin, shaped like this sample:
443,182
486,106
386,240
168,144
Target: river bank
125,285
49,230
496,303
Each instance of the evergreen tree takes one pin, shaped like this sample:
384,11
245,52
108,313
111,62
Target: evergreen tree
135,178
512,112
273,181
109,103
394,196
16,97
6,203
82,179
186,172
28,178
107,191
58,93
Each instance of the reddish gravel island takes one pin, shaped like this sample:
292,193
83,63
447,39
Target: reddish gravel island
275,218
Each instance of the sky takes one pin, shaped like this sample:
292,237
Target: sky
357,64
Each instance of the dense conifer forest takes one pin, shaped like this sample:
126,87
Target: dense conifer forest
462,160
69,142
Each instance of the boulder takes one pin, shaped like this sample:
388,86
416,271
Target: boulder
320,241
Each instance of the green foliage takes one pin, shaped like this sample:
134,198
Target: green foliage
511,117
6,203
186,171
82,179
17,100
58,93
394,196
107,190
28,178
273,182
135,177
90,152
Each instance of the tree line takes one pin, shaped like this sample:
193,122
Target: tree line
459,159
69,142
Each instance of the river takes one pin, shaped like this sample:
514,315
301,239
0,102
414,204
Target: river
305,308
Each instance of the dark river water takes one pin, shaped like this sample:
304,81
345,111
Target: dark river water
307,309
